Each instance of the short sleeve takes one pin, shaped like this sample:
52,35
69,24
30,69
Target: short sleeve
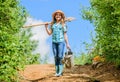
65,28
51,27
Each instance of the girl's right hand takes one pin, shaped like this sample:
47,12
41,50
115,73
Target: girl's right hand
46,25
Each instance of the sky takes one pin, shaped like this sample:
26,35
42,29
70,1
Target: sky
78,30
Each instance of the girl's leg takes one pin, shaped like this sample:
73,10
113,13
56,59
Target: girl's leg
60,57
55,52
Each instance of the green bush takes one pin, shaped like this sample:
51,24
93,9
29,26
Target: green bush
105,15
15,48
83,59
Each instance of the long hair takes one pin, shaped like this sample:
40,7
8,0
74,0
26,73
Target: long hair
62,21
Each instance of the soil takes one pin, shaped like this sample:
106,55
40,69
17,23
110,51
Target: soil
78,73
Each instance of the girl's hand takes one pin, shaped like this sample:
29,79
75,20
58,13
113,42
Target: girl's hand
49,31
68,46
46,25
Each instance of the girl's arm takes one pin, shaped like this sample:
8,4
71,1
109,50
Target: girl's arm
66,40
49,31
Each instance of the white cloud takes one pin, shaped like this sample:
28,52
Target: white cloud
39,34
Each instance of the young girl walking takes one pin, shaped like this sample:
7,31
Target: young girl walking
58,30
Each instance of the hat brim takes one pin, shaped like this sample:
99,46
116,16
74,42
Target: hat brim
58,11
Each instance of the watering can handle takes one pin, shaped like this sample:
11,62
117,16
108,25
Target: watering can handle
68,50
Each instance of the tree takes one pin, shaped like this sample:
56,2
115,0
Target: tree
15,48
105,15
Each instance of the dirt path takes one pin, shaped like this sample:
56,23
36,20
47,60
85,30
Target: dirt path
45,73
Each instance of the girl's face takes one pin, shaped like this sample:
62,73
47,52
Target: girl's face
58,16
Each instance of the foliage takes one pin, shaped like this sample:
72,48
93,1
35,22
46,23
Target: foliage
83,59
98,59
15,49
86,58
28,45
105,15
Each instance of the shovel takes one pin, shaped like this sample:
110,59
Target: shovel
68,19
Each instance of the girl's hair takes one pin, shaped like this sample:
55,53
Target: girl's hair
62,18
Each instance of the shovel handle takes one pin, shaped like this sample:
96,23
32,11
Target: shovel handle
69,19
39,24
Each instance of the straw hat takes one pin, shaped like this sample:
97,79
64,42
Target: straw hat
58,11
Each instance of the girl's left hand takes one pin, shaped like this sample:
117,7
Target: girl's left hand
68,46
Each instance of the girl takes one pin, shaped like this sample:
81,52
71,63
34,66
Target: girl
58,30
